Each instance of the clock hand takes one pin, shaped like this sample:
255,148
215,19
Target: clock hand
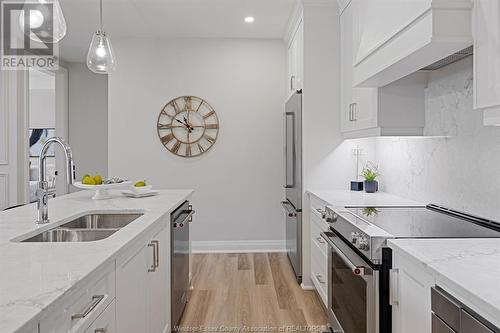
185,125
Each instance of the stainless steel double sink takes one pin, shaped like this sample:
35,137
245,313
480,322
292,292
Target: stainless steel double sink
86,228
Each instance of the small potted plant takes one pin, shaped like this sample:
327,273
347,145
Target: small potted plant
370,173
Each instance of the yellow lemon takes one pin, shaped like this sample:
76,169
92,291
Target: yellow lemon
141,183
98,179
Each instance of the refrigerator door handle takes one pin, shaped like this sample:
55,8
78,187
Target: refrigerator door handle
286,157
292,212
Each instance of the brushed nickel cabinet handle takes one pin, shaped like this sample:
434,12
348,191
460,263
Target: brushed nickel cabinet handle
100,330
95,301
320,240
157,256
153,266
354,109
292,82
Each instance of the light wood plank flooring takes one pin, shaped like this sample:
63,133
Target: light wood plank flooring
240,292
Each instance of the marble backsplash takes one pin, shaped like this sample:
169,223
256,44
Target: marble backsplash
456,164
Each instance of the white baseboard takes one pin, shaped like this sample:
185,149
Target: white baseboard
238,246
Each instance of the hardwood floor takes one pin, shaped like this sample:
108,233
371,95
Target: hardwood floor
249,292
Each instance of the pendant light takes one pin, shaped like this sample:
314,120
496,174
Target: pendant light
101,58
49,33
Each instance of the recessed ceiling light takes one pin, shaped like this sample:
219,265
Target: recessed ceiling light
249,19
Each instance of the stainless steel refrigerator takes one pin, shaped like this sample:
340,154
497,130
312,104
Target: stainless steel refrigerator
292,181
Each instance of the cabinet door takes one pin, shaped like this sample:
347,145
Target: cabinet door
291,68
486,53
296,61
346,90
131,291
411,305
158,307
365,100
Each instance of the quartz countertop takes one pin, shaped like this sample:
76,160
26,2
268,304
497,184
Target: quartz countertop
468,269
342,198
35,275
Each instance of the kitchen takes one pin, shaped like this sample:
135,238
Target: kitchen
258,129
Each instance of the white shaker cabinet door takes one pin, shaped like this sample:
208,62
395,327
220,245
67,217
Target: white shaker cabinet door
131,290
486,22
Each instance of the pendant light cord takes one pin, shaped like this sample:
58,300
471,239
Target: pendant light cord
100,16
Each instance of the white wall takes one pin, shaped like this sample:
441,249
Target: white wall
88,119
238,182
458,170
42,99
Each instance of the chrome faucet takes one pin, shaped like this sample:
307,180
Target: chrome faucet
43,192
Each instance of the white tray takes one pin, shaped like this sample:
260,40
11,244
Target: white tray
101,191
132,194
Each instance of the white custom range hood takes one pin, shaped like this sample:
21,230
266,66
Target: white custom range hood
395,38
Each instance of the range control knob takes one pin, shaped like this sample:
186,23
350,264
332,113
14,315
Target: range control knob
331,217
363,244
355,237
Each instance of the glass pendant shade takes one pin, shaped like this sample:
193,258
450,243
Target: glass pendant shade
50,24
100,58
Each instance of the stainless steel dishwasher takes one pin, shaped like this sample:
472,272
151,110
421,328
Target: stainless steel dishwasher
179,260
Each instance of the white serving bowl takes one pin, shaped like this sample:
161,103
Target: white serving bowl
142,189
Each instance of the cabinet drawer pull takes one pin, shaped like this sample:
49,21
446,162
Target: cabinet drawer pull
320,240
157,256
153,266
292,82
100,330
354,109
320,279
95,301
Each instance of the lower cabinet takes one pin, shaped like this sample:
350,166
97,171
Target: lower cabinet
319,263
142,287
410,297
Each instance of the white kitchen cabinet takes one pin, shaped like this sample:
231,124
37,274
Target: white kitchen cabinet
397,109
410,297
142,287
295,60
106,322
319,254
398,38
486,27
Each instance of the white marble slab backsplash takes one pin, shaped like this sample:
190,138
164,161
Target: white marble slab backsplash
457,164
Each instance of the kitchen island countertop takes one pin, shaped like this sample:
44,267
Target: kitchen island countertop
36,275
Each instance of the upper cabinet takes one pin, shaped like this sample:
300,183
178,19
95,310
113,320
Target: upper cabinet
296,60
486,22
397,109
399,37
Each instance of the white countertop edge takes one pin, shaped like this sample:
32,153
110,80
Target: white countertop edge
485,309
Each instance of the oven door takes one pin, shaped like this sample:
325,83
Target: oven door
353,293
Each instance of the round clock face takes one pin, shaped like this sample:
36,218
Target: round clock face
188,126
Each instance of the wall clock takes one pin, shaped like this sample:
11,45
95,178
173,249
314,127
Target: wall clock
188,126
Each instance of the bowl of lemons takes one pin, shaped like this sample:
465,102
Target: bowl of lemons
141,187
100,185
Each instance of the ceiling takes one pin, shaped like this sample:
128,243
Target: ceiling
171,19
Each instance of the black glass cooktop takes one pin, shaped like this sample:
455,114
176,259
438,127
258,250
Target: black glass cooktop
427,222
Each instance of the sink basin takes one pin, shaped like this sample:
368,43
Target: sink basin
68,235
101,221
86,228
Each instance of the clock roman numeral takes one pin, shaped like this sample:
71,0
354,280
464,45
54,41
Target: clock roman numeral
175,147
200,148
208,114
165,126
212,126
176,107
167,138
188,150
187,103
163,112
209,139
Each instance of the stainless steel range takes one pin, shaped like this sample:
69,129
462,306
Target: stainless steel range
359,259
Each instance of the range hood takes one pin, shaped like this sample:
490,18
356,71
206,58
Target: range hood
423,34
450,59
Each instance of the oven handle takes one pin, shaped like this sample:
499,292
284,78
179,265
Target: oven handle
357,270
